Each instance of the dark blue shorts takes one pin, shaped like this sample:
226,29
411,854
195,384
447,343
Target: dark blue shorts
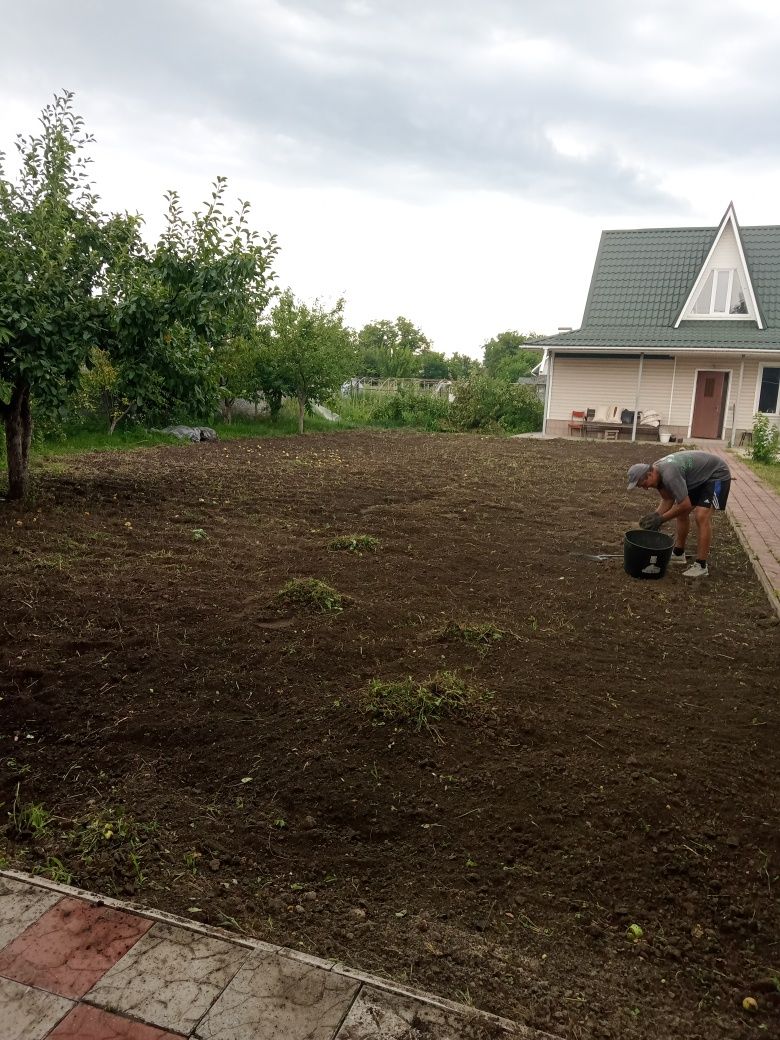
712,495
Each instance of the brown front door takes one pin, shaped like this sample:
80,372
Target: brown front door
709,404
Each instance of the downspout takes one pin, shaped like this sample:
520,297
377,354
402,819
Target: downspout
671,395
733,438
548,390
636,402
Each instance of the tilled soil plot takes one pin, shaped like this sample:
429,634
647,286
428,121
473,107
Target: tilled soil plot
204,748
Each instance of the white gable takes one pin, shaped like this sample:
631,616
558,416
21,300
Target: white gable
723,291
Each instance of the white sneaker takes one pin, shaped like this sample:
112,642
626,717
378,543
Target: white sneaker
696,571
681,559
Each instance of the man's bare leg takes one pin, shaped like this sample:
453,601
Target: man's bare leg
703,518
683,527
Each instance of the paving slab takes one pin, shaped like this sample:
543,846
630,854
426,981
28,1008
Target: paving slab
754,512
71,946
274,997
170,978
20,906
378,1015
277,993
28,1014
91,1023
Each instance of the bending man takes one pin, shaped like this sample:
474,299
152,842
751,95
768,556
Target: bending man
688,482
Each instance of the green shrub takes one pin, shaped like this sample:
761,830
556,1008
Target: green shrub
409,408
441,696
492,405
766,440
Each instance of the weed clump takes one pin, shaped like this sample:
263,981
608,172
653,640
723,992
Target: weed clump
355,543
443,695
480,634
312,594
29,821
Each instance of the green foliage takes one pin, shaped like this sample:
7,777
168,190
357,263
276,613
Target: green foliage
99,394
355,543
766,440
392,348
238,365
31,819
311,594
432,365
491,405
181,307
56,254
461,366
56,871
311,352
480,404
441,696
510,355
407,407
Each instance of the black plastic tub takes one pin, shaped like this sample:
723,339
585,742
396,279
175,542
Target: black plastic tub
646,554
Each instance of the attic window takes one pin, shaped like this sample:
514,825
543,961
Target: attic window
722,293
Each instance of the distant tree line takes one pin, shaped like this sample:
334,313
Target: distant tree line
92,317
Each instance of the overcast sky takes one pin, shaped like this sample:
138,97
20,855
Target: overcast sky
449,160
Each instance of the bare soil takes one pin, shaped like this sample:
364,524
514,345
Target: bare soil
203,748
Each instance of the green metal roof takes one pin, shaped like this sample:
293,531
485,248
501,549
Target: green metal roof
642,278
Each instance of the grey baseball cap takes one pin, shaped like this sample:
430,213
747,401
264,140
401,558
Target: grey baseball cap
637,472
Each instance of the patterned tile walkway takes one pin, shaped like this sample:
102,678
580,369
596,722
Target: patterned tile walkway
76,967
754,509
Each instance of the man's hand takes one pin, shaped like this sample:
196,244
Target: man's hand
651,522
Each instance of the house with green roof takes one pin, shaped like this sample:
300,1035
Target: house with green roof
680,336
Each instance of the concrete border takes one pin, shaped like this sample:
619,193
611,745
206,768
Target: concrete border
387,985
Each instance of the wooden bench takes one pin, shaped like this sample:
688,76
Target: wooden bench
593,429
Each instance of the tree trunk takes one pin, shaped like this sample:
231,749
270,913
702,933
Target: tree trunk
301,411
18,433
117,419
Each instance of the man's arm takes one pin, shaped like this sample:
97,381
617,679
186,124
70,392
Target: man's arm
677,509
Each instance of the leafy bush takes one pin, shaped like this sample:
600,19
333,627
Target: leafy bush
409,408
492,405
766,440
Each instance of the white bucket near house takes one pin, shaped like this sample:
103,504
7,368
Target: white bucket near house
664,435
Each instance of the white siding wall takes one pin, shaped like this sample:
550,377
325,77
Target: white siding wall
685,382
581,383
726,253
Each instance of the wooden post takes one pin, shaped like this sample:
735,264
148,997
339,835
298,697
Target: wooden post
548,390
733,437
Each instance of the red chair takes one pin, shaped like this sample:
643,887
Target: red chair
577,422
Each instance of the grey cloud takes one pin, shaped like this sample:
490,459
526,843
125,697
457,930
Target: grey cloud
413,97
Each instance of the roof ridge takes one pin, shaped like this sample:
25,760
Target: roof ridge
655,230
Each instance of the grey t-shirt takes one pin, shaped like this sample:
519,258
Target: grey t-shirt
685,470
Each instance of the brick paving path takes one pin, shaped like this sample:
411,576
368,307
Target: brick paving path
76,967
754,510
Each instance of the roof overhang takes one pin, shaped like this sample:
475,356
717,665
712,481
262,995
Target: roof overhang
670,351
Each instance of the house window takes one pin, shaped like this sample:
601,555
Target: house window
769,397
722,293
